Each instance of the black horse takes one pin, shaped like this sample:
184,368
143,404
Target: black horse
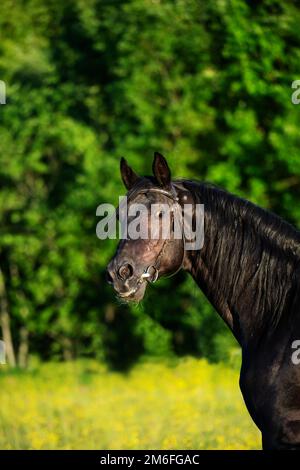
249,269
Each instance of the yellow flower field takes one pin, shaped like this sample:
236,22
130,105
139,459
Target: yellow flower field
81,405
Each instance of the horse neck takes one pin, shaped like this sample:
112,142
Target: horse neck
248,264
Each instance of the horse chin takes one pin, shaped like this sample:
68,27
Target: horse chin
134,295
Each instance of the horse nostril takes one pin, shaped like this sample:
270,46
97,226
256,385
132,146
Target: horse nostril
108,277
125,272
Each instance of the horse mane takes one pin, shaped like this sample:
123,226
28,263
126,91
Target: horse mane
272,228
255,247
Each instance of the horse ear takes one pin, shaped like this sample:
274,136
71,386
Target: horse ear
129,177
161,170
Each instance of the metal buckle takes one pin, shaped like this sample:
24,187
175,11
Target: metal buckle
150,277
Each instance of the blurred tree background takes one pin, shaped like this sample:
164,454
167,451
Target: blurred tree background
207,83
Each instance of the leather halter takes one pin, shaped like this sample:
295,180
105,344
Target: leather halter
147,275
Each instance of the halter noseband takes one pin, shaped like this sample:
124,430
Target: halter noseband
147,275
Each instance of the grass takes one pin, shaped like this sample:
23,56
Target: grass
190,405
